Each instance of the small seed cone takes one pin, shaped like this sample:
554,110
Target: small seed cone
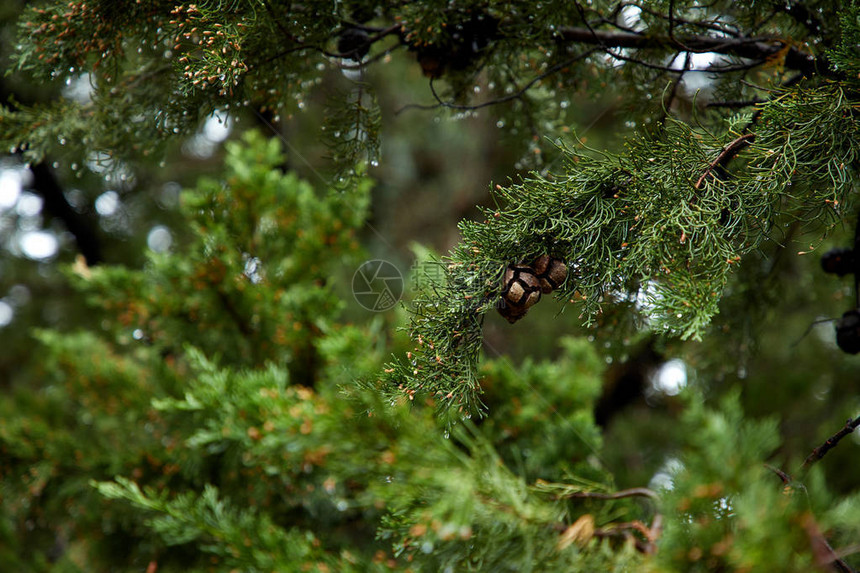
520,291
551,272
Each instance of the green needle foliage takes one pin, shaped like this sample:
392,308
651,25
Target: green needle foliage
151,446
220,410
665,222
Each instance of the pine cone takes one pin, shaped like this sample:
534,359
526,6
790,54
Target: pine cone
550,272
520,291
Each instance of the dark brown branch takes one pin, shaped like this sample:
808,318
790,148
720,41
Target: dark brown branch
786,479
726,155
667,103
758,49
237,318
822,552
735,104
831,442
82,228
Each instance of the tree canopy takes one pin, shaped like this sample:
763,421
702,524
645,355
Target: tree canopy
192,378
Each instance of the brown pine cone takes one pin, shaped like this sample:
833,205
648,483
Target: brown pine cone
551,272
520,291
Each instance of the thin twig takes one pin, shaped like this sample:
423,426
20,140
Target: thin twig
713,26
759,49
735,104
337,55
831,442
632,492
822,552
512,96
726,155
786,479
809,328
667,105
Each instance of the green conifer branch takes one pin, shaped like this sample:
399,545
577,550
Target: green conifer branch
667,222
221,529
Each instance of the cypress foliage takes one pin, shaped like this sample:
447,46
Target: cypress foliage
220,410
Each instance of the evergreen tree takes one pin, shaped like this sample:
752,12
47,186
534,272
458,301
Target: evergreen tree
213,401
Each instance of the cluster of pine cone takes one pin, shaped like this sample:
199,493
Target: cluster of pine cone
522,285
